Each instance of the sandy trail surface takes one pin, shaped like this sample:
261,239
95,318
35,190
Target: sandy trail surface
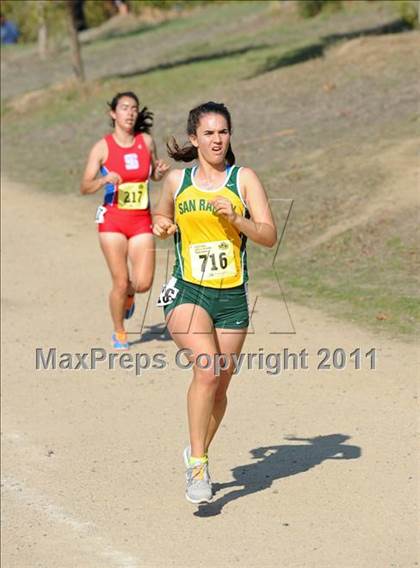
313,468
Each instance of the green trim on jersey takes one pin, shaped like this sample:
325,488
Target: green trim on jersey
186,181
243,250
232,183
178,266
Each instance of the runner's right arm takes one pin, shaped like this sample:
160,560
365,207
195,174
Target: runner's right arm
90,182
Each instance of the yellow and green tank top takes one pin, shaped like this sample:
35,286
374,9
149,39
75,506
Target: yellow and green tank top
209,250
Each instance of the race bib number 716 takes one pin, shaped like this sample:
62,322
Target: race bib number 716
213,260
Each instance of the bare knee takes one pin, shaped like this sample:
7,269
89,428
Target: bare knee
206,378
141,287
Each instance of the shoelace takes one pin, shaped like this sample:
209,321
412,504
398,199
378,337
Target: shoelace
197,471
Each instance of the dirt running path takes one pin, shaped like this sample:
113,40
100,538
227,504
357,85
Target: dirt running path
92,471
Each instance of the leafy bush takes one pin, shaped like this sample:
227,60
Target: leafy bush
137,6
25,14
96,13
311,8
409,12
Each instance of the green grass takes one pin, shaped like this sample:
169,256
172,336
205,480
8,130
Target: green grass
329,164
357,276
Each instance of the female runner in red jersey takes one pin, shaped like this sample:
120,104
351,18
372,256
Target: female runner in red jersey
126,160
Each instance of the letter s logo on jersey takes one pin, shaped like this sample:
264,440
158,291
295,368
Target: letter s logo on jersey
131,161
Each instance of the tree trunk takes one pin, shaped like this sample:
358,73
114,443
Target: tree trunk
74,42
42,30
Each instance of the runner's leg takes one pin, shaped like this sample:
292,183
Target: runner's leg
191,327
141,253
115,247
228,341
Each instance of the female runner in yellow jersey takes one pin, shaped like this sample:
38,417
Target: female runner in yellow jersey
211,209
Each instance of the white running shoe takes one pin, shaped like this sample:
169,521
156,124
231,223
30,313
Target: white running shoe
186,455
199,488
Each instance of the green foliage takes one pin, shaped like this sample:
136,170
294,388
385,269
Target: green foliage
25,14
311,8
137,6
409,12
96,13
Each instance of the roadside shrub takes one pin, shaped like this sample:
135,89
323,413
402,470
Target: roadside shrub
96,13
26,16
311,8
409,12
137,6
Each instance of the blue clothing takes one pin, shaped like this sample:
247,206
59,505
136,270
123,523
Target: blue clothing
9,32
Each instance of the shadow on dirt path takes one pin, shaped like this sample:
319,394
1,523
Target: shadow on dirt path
278,462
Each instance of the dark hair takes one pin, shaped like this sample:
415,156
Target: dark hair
188,152
144,120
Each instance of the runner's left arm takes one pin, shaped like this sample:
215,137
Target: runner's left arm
159,167
261,227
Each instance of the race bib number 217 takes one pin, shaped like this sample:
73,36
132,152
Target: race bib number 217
133,196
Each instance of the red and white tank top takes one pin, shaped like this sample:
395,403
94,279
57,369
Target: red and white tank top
134,166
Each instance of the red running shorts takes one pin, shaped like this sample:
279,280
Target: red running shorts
129,223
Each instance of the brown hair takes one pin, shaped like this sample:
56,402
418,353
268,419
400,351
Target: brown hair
144,120
188,152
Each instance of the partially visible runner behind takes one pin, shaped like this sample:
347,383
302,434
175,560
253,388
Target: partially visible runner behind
122,163
210,209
